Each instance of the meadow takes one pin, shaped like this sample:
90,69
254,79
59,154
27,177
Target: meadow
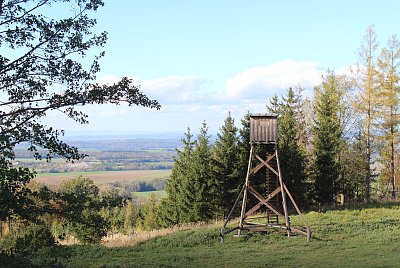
356,237
147,194
104,178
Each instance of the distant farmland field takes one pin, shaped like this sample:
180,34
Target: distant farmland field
102,178
149,193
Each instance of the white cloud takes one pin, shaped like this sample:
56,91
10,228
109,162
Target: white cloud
346,70
169,89
265,81
188,100
108,79
174,89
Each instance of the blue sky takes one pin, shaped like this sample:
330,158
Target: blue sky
201,59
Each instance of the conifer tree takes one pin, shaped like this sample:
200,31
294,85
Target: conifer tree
353,161
292,156
244,147
130,218
150,214
388,81
365,101
180,188
274,105
225,171
326,140
203,183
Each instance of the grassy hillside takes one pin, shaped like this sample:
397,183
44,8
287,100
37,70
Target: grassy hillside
362,237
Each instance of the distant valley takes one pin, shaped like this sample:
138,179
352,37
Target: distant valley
128,163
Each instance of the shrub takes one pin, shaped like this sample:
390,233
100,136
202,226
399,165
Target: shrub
91,228
34,237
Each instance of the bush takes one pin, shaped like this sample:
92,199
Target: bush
34,237
91,229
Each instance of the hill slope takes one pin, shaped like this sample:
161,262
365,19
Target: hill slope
364,237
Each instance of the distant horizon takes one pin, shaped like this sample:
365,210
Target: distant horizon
128,134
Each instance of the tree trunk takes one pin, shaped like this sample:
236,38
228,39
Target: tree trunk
368,162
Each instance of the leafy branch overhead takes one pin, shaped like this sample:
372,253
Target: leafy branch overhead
48,62
43,68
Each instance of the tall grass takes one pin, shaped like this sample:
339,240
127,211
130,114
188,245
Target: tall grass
121,240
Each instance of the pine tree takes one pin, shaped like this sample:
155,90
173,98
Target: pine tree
326,140
388,80
225,171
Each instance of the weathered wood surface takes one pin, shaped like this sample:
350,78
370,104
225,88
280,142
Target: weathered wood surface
263,129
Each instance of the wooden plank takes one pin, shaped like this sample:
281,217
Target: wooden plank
269,197
260,165
296,230
296,207
267,165
233,208
283,195
246,185
231,230
260,198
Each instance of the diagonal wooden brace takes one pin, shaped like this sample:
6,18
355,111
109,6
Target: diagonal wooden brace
262,200
260,165
269,197
265,163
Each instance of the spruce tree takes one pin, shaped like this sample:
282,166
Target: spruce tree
202,176
225,171
326,140
244,146
292,156
180,188
274,105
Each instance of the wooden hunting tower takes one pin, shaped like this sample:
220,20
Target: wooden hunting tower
265,206
263,129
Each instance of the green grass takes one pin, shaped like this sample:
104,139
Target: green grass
160,193
362,237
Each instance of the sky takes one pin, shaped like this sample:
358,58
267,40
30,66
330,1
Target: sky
202,59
